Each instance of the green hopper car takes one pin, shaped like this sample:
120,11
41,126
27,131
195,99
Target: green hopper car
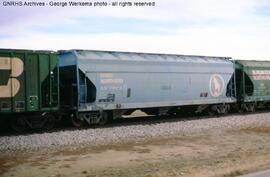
29,87
253,83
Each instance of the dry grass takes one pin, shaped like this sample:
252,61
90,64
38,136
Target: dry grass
233,174
257,130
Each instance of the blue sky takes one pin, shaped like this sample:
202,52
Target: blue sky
239,29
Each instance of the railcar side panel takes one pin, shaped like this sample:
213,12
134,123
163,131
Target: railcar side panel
119,80
28,81
253,80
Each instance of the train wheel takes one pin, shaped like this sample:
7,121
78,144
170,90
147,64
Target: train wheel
49,123
251,107
104,118
226,109
210,111
77,121
240,110
18,124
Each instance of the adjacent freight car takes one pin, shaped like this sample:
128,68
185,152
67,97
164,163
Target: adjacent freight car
96,85
253,84
28,88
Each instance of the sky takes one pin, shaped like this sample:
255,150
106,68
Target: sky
238,29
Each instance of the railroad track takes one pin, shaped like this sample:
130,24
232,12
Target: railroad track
140,120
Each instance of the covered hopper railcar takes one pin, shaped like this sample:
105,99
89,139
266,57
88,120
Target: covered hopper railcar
253,84
28,88
96,85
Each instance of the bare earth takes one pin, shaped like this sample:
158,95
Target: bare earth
215,152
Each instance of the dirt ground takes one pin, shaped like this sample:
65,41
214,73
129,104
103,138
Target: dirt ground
224,153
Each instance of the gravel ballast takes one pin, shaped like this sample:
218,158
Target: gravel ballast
100,136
